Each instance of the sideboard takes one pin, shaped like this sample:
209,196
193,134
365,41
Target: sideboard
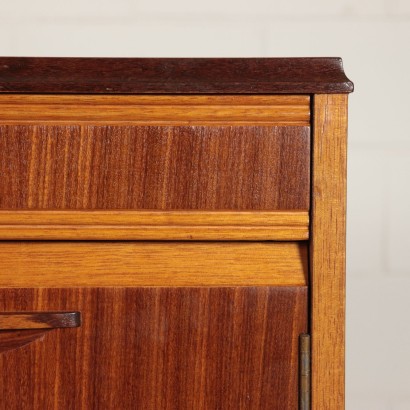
172,233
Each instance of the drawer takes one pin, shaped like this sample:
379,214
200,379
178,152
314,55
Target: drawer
157,153
165,325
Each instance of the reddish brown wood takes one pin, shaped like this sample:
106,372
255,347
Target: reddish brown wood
186,348
13,339
173,76
154,167
39,320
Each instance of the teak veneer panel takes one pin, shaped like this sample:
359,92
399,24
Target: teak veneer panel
159,348
149,225
327,251
155,110
154,167
125,264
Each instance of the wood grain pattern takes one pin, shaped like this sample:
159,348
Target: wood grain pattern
233,101
149,225
154,110
174,233
186,348
148,167
156,218
173,75
38,320
327,251
60,264
14,339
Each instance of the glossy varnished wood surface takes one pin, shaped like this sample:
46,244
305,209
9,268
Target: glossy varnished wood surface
154,167
155,110
152,331
327,252
13,339
173,75
154,225
56,264
186,348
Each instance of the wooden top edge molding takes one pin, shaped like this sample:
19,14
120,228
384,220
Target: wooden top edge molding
153,225
129,264
21,109
322,75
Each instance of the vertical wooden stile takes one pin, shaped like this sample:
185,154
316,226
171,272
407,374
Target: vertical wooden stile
327,251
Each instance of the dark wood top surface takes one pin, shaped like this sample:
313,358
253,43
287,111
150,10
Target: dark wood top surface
173,75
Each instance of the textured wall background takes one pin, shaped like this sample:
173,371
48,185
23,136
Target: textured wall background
373,37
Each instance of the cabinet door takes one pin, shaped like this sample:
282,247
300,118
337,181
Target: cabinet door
156,348
185,325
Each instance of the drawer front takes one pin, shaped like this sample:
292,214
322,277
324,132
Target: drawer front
159,155
154,167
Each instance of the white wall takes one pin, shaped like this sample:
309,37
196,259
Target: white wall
373,37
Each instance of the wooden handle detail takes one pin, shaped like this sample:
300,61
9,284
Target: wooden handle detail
39,320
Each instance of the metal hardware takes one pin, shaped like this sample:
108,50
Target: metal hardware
304,372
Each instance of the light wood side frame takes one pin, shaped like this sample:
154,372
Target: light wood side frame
327,251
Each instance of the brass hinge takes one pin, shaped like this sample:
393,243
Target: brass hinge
304,372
